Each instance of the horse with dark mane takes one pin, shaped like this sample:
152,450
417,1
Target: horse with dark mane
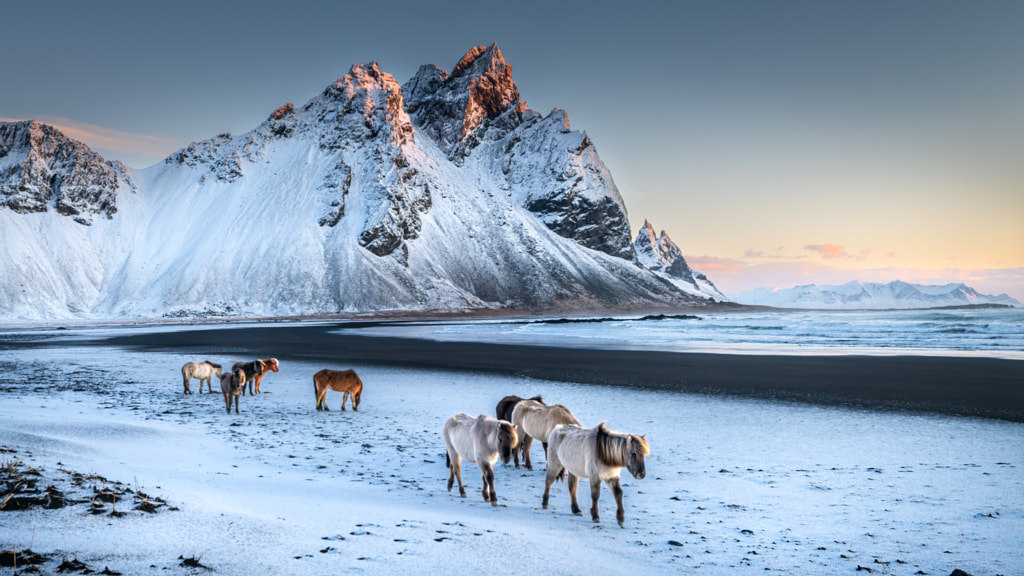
204,371
232,385
251,369
269,365
503,411
479,441
597,454
536,421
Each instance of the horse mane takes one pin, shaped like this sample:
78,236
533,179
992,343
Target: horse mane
506,433
610,446
537,398
217,366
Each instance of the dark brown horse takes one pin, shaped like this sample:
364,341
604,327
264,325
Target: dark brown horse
503,411
231,385
252,370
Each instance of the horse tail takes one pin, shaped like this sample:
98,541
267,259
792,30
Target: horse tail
447,460
561,475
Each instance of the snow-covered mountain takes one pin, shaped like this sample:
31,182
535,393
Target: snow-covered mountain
870,295
661,255
447,193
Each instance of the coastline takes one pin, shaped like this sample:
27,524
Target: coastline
980,387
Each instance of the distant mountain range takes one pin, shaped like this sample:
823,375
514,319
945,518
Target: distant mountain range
870,295
445,193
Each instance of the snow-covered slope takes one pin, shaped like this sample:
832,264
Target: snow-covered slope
870,295
460,197
661,255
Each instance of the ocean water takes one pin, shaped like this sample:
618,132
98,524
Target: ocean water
997,333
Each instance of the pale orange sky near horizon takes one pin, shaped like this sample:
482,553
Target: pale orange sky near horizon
777,144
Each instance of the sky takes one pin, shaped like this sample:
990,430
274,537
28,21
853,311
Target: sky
777,143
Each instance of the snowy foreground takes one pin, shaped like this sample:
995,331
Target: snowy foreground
733,486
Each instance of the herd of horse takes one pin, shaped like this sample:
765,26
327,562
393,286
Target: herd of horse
572,451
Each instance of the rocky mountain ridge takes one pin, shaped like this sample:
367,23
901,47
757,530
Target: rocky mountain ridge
661,255
459,197
872,295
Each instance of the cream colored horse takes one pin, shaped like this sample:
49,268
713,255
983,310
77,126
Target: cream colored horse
597,454
535,421
204,371
478,441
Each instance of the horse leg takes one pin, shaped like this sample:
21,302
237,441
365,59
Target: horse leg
616,488
227,402
527,441
451,467
488,476
344,399
573,481
323,399
355,401
595,493
554,469
187,390
457,467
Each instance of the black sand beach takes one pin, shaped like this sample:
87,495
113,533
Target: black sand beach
984,387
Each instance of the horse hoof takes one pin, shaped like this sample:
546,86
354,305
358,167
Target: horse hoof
494,502
462,494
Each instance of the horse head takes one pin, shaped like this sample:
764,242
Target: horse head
636,449
239,380
507,440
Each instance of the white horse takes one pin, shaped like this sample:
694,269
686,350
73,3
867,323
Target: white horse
204,371
597,454
534,420
232,384
479,441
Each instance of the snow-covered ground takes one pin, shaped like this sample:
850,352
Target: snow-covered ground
733,486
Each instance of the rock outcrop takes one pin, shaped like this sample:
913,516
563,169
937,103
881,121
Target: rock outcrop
660,254
41,169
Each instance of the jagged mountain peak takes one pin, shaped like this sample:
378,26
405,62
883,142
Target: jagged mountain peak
451,107
42,169
660,254
442,193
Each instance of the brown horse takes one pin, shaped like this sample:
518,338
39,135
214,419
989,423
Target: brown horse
503,411
231,385
344,381
270,364
252,370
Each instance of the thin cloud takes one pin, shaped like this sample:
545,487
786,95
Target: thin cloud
110,139
778,254
713,264
828,250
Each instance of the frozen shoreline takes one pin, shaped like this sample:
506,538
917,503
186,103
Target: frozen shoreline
740,485
987,387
